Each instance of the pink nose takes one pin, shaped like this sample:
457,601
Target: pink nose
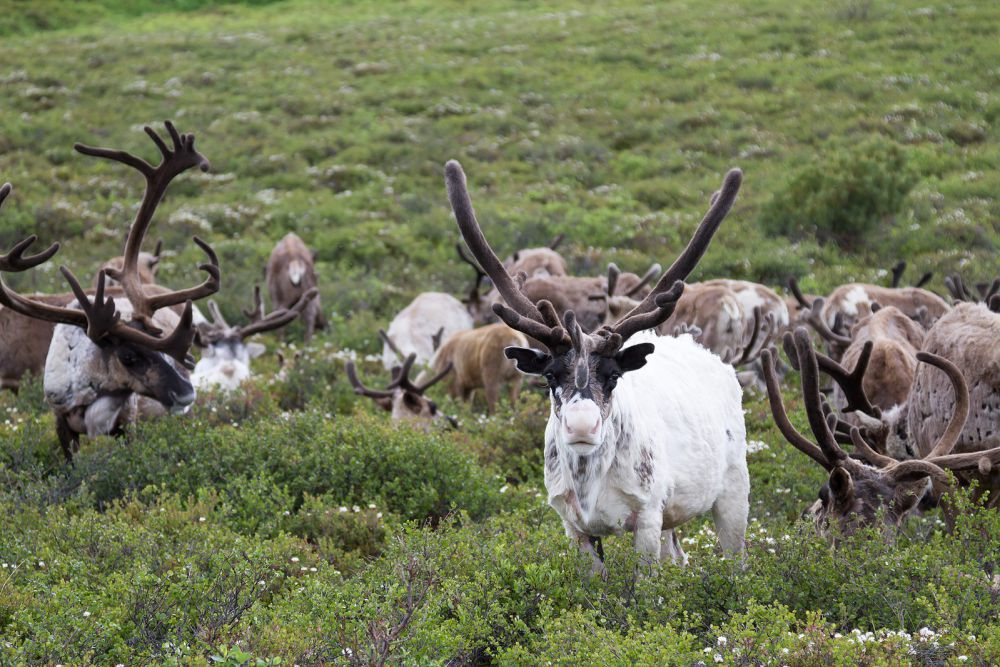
582,419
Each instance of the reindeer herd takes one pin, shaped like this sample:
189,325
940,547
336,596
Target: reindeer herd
645,373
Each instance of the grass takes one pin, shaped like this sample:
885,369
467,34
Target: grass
233,533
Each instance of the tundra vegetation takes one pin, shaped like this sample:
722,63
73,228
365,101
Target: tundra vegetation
294,522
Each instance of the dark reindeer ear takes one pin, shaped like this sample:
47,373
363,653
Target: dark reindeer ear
634,357
528,360
842,486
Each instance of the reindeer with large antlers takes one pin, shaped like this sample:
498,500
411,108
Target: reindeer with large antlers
106,351
404,398
225,361
645,433
868,482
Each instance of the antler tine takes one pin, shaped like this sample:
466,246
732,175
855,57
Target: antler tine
815,318
217,319
647,277
852,383
791,434
519,313
279,318
613,273
863,449
748,349
402,380
556,241
685,262
983,461
897,272
352,375
809,369
924,279
424,386
793,287
994,303
951,434
208,287
257,312
15,261
436,338
391,343
181,157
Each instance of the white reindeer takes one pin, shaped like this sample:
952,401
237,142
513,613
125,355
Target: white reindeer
645,433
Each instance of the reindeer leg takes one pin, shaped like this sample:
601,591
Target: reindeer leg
593,547
69,440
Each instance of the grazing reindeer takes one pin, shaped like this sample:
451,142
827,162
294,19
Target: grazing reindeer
24,341
106,350
836,315
534,262
860,486
883,353
645,433
413,329
291,272
477,355
968,336
225,362
402,397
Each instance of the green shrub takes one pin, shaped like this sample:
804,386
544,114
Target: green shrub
843,196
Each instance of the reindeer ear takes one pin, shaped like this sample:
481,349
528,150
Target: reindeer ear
255,350
842,486
528,360
634,357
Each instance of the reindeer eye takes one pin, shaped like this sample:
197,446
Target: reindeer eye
128,358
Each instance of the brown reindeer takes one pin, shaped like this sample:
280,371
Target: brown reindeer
544,261
403,398
969,337
479,362
863,487
291,272
834,316
106,350
883,353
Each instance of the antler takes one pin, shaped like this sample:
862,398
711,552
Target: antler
647,277
518,313
815,318
556,241
791,434
277,318
176,160
658,305
257,311
391,343
15,261
352,375
480,274
897,272
793,287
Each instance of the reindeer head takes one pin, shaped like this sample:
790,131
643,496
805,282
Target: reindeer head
581,369
133,354
867,484
624,291
225,362
402,397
